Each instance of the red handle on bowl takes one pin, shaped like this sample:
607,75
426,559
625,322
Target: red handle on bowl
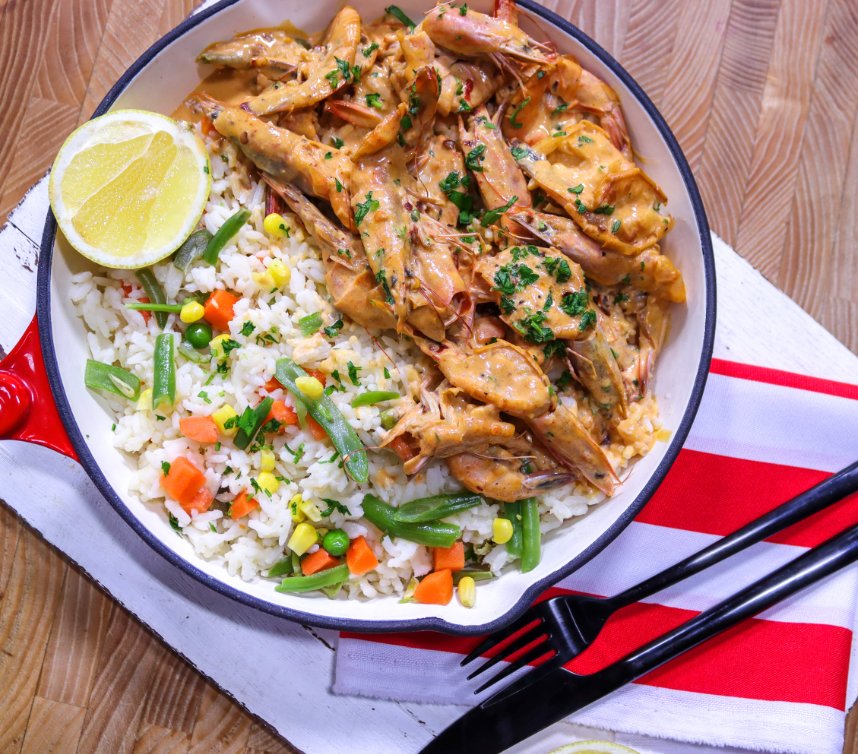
27,408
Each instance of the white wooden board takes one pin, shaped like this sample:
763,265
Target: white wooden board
55,496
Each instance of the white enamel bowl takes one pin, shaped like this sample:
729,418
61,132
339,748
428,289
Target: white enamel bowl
159,81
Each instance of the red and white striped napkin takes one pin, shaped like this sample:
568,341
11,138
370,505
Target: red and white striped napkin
779,681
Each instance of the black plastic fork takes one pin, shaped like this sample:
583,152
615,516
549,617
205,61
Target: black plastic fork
560,628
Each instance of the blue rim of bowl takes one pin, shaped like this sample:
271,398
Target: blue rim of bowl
43,309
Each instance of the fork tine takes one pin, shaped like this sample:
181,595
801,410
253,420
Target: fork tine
525,680
521,642
501,636
534,654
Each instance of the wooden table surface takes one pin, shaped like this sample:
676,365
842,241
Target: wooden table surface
761,95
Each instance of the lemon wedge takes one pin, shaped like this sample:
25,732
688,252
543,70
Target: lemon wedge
594,747
127,188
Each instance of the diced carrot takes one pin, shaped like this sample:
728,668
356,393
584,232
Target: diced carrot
450,557
360,557
206,126
282,413
319,375
321,560
146,315
199,428
272,385
436,588
316,429
241,506
183,481
127,289
201,503
218,309
402,447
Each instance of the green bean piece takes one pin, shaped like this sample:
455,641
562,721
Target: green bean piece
530,534
164,382
512,512
372,397
389,417
158,308
296,563
282,568
329,417
397,13
436,507
153,290
310,324
100,376
432,534
192,354
475,575
224,235
192,249
333,590
328,577
250,422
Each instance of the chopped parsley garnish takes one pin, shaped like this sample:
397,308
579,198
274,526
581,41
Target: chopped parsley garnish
399,15
575,304
247,328
558,267
473,157
656,206
620,298
368,51
451,182
381,277
605,209
514,277
174,524
405,122
518,109
332,331
564,379
627,280
465,203
518,152
338,143
297,454
353,373
576,189
580,206
345,252
338,185
554,348
532,329
364,208
463,10
506,305
559,133
464,107
386,373
228,346
615,226
334,505
560,108
204,395
521,252
329,155
584,140
374,100
165,467
415,216
493,215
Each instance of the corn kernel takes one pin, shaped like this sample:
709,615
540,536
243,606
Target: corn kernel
303,538
275,225
216,346
311,387
223,415
502,529
144,402
268,482
266,460
310,509
192,312
297,514
280,273
468,590
263,280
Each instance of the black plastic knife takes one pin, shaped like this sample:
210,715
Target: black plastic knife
500,722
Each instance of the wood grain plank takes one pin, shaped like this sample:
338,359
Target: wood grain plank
690,86
607,22
175,11
153,739
840,317
77,636
221,726
118,694
735,112
815,213
260,741
648,49
72,40
22,32
174,694
45,127
132,26
784,110
54,728
10,534
27,609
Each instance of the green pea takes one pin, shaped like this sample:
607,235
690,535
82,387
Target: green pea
336,542
198,335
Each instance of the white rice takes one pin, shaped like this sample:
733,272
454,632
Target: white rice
247,548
